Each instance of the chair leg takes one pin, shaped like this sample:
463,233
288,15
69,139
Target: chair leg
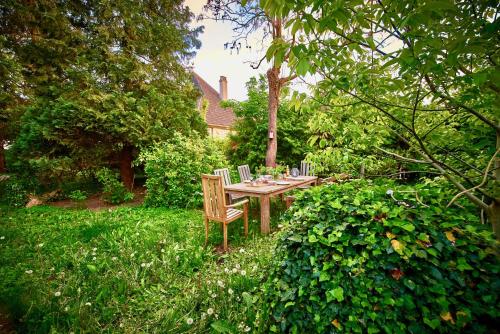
224,228
245,218
206,231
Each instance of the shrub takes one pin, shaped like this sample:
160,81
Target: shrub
78,195
356,258
14,191
113,190
174,169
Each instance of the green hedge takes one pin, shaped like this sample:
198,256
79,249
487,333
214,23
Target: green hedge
173,170
355,259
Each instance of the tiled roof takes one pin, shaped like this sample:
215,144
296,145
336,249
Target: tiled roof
216,115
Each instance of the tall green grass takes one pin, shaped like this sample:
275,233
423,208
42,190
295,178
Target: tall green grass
127,270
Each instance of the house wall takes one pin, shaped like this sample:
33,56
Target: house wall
216,132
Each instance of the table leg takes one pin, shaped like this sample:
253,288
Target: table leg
264,214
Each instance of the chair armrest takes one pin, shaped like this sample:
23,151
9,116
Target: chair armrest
237,204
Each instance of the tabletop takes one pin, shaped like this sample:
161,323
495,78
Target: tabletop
246,188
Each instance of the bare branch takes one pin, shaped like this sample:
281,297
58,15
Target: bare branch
401,157
485,179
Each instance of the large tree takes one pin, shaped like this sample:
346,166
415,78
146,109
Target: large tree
429,67
103,78
247,18
248,142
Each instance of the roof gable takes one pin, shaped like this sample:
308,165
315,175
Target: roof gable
216,115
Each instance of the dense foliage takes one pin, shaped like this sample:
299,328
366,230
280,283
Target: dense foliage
14,191
174,169
248,142
364,257
345,140
113,190
127,270
429,68
99,80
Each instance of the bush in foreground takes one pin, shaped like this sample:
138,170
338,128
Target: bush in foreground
356,258
174,169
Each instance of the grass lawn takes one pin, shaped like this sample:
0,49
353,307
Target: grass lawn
126,270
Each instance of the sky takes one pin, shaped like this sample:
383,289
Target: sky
212,60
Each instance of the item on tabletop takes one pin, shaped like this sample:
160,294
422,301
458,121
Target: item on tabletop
295,172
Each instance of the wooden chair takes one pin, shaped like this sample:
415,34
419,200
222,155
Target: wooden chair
226,177
216,209
244,172
306,169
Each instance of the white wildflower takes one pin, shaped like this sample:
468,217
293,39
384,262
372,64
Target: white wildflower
114,258
243,273
237,266
242,250
94,258
389,192
216,315
57,293
220,283
143,265
214,295
162,250
2,237
87,304
94,249
254,268
210,311
189,321
230,291
132,255
66,309
226,270
280,225
203,315
247,329
235,270
29,272
40,245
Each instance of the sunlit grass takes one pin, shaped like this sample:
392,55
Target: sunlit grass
127,270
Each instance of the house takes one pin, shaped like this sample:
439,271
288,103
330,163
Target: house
219,120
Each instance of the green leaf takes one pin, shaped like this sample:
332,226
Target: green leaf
92,268
337,293
221,326
302,66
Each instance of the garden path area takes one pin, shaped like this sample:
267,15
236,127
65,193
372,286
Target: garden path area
95,202
129,269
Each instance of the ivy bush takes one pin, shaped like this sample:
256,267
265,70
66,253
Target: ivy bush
362,257
173,170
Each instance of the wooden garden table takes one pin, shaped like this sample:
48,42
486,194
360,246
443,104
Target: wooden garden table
266,192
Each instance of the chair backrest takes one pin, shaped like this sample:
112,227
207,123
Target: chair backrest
224,172
306,169
244,172
214,202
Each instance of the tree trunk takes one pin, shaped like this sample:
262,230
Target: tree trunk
2,158
126,171
273,78
493,214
